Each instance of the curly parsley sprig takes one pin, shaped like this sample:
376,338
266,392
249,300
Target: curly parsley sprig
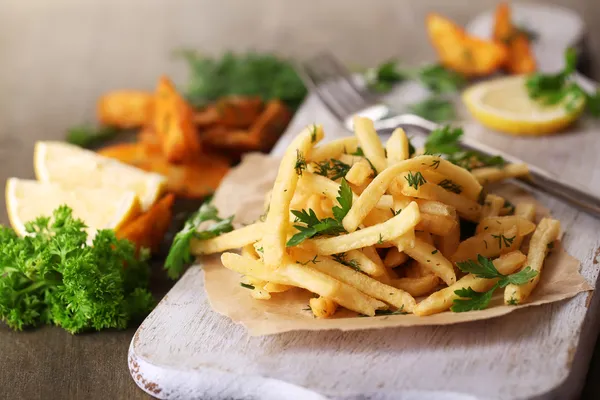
484,268
53,276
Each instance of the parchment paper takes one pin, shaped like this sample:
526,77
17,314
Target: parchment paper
242,193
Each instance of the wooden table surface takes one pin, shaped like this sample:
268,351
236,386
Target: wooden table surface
49,79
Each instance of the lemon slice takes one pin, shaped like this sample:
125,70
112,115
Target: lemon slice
74,167
99,208
503,104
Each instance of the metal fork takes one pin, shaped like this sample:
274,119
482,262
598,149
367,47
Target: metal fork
345,98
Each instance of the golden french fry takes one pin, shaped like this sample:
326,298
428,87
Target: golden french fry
260,294
547,231
369,198
322,307
436,208
525,210
394,258
369,141
448,244
491,206
487,244
252,281
351,160
397,298
487,175
442,299
417,286
467,209
273,287
257,270
250,251
436,224
334,149
359,173
365,263
397,147
230,240
314,203
290,169
501,224
405,241
389,230
432,259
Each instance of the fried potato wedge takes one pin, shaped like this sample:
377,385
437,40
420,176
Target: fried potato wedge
467,55
148,230
520,58
125,108
173,122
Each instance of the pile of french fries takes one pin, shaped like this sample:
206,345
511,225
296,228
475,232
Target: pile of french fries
400,240
192,148
509,49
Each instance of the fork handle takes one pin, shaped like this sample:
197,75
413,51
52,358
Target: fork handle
546,181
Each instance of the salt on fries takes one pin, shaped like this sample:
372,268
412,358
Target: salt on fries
369,227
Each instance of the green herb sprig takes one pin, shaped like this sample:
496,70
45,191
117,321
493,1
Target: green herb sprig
313,226
332,168
53,276
87,136
179,253
484,268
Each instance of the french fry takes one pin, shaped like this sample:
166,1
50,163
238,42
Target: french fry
448,244
397,298
442,299
369,236
525,210
257,270
491,206
370,143
173,121
436,224
283,190
352,159
148,230
334,149
369,198
397,147
322,307
125,108
488,245
467,55
501,224
432,260
365,263
250,251
381,272
345,295
260,294
272,287
417,286
394,258
230,240
487,175
467,209
359,173
436,208
405,241
547,231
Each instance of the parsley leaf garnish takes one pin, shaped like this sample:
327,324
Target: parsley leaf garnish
332,169
484,268
313,226
53,276
179,253
444,140
247,286
434,108
341,258
415,180
450,186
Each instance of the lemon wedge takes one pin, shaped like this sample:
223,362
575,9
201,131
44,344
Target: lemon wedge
73,167
99,208
503,104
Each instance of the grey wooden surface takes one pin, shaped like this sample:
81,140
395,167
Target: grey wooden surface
58,56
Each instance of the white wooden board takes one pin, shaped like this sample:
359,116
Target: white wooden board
185,350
